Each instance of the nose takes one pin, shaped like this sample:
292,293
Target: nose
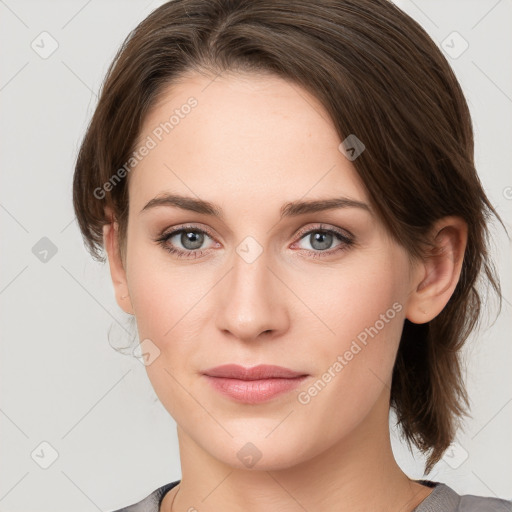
251,303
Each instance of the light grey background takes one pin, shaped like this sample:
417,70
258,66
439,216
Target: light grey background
62,383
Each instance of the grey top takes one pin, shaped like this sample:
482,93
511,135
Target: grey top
441,499
445,499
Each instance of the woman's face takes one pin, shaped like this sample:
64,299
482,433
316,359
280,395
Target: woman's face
250,286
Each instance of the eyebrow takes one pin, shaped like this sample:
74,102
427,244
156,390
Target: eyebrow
291,209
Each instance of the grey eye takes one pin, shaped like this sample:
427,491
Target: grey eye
191,240
319,240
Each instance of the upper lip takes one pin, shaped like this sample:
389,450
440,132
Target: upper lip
262,371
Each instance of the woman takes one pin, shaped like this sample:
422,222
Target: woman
287,196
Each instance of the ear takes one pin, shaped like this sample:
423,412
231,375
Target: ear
437,275
117,270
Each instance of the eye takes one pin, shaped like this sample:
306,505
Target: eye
321,239
190,238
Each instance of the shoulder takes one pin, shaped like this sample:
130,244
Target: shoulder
444,499
471,503
150,503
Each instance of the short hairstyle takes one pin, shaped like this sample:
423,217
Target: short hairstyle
379,76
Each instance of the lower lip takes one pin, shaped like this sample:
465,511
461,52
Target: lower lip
253,391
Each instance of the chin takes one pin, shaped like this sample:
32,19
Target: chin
255,453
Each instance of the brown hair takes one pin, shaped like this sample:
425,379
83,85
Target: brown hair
379,76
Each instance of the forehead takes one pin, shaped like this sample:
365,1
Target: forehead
250,136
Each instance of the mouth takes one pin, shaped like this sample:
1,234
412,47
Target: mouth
253,385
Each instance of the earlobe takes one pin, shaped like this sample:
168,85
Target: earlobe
439,272
117,270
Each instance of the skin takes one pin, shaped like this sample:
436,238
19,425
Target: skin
252,144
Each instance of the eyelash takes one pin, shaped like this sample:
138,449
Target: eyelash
347,241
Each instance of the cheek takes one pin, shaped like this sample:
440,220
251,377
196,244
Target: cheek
165,305
158,291
362,305
169,301
351,379
357,300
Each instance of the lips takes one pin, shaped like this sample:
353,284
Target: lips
262,371
253,385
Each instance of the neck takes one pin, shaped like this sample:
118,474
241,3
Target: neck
357,474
